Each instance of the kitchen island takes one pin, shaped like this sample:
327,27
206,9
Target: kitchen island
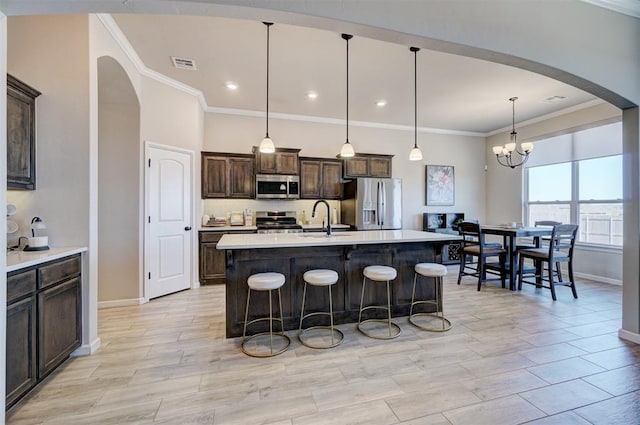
348,253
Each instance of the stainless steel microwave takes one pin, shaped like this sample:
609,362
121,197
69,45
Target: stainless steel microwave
273,186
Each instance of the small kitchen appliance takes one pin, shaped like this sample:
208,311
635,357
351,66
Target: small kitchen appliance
37,243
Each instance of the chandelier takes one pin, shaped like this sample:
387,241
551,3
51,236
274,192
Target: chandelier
510,155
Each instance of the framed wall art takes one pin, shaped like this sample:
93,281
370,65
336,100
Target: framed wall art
440,185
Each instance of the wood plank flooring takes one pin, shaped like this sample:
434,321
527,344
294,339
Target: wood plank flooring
511,358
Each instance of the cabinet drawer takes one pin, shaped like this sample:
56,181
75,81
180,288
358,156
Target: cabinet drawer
20,284
210,236
58,271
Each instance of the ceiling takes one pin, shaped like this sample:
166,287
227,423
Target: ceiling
455,93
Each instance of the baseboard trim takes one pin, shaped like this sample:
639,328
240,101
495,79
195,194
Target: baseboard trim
598,278
629,336
120,303
87,349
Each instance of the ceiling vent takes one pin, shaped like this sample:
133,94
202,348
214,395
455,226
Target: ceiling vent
182,63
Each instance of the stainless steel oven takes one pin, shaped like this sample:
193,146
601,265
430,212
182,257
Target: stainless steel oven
273,186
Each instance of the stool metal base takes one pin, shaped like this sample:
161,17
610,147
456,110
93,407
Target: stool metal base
446,324
391,325
335,339
270,353
438,314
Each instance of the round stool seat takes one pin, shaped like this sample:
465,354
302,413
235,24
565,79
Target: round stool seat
380,273
320,277
265,281
431,269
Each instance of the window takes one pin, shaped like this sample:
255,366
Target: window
585,188
587,192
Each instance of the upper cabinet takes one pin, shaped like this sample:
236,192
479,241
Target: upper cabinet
320,178
367,165
227,175
282,161
21,134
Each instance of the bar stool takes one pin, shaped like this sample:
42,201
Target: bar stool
265,282
378,274
436,271
319,278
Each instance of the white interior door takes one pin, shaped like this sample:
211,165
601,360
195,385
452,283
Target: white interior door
169,220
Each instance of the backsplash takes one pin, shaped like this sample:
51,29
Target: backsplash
221,207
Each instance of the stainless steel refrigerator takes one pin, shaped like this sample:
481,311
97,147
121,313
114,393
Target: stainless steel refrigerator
372,204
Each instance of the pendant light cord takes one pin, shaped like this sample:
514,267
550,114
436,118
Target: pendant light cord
415,97
347,88
513,116
268,24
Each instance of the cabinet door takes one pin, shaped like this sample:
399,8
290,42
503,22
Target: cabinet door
214,177
21,348
266,163
286,163
380,166
332,179
356,167
59,324
310,179
212,260
241,178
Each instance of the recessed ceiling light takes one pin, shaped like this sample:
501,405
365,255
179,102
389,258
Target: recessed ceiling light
553,99
312,95
380,103
231,85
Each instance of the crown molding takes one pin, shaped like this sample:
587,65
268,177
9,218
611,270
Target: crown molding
119,37
541,118
337,121
626,7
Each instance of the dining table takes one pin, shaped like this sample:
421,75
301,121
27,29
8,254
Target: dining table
509,240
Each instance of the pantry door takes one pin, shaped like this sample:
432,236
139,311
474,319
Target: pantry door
169,198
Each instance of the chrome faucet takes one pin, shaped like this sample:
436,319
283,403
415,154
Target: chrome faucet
313,214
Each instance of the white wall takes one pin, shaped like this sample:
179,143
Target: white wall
50,53
238,134
505,197
119,166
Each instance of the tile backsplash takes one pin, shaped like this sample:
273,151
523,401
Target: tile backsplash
222,207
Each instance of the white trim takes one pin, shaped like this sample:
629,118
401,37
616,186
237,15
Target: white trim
627,7
87,349
337,121
602,279
121,303
629,336
585,246
559,113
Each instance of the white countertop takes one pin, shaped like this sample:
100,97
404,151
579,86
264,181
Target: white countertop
287,240
17,260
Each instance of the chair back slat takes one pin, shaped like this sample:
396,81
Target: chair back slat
563,239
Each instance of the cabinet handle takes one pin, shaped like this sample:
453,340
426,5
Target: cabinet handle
186,229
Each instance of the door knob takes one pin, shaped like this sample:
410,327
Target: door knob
187,228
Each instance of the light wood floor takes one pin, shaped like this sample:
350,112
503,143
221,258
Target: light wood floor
511,358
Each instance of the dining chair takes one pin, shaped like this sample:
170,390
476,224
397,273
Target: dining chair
473,245
559,250
544,241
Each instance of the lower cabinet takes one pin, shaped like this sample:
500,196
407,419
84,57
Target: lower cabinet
211,261
212,265
21,348
44,322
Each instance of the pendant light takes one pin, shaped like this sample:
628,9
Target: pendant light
504,155
267,146
416,153
347,149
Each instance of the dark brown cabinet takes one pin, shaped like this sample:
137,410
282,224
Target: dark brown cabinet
212,265
282,161
211,260
44,322
320,178
227,175
21,134
367,165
